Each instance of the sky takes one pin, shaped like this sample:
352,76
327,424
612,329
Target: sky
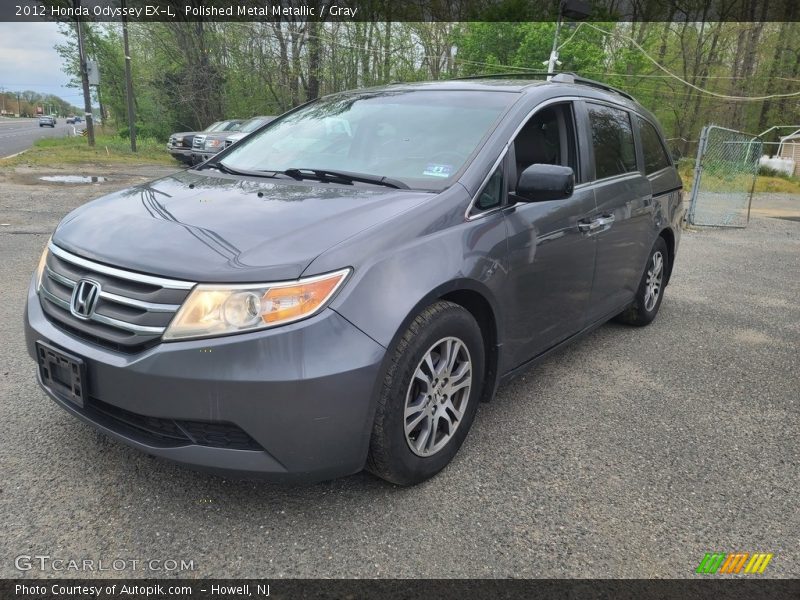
29,62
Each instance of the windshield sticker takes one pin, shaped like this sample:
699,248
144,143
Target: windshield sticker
436,170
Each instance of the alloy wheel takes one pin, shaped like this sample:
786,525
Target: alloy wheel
437,396
655,276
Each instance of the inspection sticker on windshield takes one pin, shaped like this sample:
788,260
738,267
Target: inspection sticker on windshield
436,170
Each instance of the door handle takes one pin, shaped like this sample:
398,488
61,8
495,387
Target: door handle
598,224
605,221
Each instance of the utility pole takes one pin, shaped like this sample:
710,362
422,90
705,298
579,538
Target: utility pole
19,106
551,64
576,10
128,81
87,98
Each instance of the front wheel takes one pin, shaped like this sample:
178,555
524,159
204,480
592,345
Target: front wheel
429,395
651,288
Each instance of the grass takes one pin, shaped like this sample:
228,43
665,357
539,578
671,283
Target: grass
781,184
109,149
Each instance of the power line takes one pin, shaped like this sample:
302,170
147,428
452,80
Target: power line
674,76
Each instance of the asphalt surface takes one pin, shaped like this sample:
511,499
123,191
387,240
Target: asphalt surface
17,135
628,454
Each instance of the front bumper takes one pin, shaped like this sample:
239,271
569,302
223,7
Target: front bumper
303,392
202,156
180,153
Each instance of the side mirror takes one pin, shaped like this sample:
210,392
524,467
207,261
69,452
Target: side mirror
545,182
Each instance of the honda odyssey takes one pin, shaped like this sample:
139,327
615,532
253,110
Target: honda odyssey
341,288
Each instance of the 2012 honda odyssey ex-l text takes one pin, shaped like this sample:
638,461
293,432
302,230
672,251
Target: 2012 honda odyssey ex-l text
341,288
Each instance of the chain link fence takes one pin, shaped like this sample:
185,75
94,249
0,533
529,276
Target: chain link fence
725,173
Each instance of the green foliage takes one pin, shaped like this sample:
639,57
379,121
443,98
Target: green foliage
187,75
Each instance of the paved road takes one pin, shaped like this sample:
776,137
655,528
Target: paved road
17,135
629,454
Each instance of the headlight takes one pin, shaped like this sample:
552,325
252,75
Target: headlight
212,310
40,267
211,144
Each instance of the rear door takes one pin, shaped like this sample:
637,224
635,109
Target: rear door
622,221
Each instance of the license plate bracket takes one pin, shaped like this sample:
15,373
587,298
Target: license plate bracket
63,373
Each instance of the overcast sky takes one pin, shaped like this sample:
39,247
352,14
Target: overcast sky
29,62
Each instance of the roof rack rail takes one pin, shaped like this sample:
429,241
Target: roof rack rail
517,74
568,77
563,77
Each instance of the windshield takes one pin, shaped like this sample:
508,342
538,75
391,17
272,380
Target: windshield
252,124
224,126
421,138
231,126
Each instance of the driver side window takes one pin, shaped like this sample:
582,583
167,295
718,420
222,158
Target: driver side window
547,138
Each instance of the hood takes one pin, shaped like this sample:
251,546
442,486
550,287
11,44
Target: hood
222,135
183,134
215,228
237,135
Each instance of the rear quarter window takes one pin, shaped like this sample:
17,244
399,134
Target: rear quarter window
655,155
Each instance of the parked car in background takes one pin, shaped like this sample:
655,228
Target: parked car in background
216,141
341,288
71,120
198,143
47,121
179,145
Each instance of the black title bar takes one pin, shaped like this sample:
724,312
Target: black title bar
398,10
454,589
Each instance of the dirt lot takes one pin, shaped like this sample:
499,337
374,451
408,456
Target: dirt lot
629,454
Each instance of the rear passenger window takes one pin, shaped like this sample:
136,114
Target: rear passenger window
655,156
612,138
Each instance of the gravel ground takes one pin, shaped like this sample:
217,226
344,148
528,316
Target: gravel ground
628,454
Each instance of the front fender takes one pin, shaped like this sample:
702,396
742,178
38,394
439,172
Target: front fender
408,262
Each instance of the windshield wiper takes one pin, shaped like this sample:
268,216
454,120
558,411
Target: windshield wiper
326,175
222,167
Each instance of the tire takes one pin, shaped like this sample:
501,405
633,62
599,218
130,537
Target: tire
440,328
645,308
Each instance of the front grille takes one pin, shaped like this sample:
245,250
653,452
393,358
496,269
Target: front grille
168,433
187,141
132,310
198,142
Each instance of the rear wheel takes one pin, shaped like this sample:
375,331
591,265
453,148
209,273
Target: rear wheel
429,395
651,288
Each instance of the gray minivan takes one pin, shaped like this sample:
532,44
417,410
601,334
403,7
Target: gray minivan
340,289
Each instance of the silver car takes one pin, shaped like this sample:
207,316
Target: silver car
216,141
